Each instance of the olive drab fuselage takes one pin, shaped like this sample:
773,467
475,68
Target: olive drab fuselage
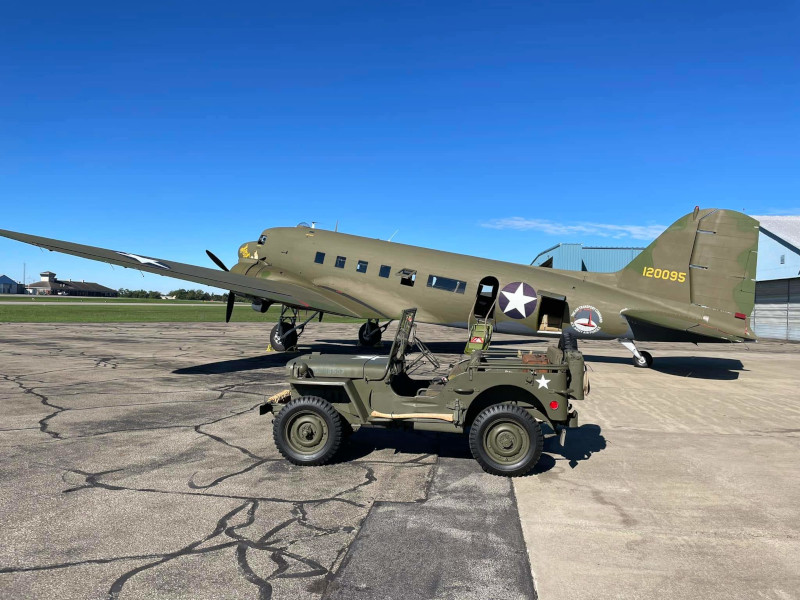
694,283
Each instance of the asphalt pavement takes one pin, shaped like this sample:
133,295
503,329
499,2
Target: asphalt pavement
135,465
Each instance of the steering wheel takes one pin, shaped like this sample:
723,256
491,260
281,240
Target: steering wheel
425,351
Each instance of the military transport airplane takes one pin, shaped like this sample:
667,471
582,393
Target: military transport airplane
694,283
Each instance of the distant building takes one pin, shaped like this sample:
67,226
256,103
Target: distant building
577,257
9,286
778,248
51,286
777,311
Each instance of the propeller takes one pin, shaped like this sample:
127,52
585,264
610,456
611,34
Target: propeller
216,260
231,295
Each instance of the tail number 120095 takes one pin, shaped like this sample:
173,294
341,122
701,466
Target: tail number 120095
664,274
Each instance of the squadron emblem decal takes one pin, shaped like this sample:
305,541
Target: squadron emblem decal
150,262
586,319
517,300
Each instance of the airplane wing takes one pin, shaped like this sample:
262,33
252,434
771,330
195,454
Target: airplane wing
283,292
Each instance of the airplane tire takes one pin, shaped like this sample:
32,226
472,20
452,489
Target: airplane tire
368,336
646,362
280,342
506,440
308,431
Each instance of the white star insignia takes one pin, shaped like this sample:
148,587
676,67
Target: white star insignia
517,300
543,382
144,260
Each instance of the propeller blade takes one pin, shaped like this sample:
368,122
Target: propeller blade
217,261
229,308
231,295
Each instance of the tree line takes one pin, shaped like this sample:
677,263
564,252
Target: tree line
180,294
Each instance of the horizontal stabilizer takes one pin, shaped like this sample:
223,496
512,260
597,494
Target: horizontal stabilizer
658,326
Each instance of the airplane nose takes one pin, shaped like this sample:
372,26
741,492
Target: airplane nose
249,250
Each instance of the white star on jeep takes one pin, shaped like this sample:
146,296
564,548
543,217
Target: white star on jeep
543,383
517,300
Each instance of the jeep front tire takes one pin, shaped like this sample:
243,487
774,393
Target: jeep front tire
308,431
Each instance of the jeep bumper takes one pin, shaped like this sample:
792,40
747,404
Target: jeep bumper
572,418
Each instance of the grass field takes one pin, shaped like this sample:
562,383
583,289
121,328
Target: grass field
144,312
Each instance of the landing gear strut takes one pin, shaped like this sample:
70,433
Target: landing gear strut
369,334
641,359
284,334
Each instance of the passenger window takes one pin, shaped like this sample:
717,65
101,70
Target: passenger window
340,260
407,277
361,267
319,258
385,271
446,284
262,239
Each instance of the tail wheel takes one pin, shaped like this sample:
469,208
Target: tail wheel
506,440
278,338
308,431
645,362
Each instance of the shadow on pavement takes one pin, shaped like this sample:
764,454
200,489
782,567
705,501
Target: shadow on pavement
369,439
581,443
698,367
238,365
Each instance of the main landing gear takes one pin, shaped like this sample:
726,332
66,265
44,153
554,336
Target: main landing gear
369,334
641,358
284,334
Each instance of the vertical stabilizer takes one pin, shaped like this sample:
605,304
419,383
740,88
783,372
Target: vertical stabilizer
706,258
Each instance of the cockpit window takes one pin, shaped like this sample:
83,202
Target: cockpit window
262,239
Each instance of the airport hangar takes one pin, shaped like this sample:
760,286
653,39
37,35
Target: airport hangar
50,285
9,286
777,311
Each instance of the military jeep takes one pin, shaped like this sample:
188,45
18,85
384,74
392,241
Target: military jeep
498,398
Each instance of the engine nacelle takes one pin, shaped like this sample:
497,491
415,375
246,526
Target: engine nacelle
261,306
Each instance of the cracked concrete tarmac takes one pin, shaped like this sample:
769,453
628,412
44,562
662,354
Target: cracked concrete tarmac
136,465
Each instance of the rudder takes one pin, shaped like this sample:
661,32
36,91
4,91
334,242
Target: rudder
707,258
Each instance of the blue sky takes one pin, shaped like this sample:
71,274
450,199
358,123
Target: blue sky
497,129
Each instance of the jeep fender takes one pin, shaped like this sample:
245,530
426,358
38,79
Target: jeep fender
506,394
341,394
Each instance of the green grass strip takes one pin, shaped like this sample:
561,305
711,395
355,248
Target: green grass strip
144,313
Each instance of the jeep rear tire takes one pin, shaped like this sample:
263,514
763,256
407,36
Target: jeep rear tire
506,440
308,431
